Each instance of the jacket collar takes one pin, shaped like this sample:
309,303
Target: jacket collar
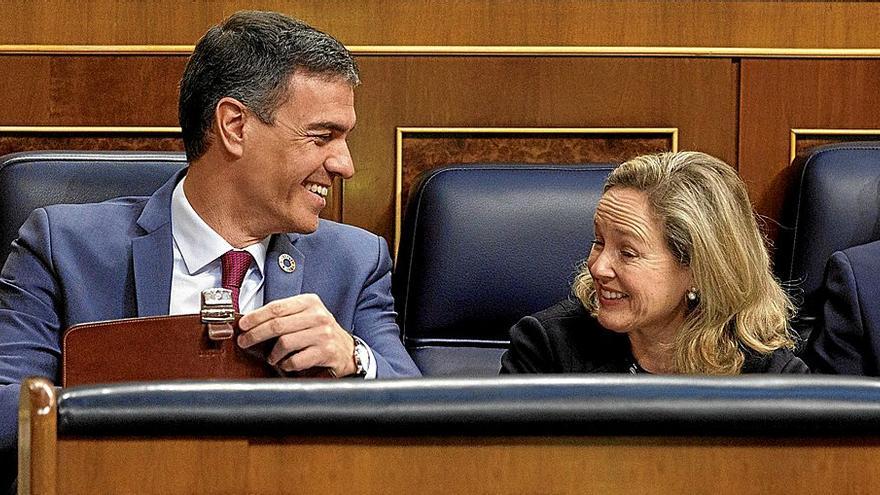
152,254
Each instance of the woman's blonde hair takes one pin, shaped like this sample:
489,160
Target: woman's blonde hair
711,227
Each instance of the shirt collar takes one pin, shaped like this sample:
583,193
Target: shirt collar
198,243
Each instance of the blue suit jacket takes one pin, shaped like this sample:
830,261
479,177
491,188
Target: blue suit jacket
848,339
80,263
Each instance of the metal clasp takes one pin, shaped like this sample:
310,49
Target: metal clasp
218,313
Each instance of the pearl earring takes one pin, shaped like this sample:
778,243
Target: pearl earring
692,294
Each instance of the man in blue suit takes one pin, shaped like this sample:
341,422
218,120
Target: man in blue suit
266,106
847,340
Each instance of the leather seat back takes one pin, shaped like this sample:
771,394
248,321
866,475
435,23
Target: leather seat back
483,246
833,204
34,179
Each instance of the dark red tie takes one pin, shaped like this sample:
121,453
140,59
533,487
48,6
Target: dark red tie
235,265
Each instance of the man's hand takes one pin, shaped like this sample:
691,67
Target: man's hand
307,333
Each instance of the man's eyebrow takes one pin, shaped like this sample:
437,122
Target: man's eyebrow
328,125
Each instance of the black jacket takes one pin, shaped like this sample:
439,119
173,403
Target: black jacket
566,339
848,340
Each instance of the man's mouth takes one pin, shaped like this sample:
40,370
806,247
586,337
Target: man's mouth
318,189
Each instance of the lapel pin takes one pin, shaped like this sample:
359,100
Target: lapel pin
287,263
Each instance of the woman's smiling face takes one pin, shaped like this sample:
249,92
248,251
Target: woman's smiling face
640,285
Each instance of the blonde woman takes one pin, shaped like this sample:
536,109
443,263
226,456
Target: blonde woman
677,280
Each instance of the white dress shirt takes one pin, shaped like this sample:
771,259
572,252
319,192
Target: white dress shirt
197,252
197,266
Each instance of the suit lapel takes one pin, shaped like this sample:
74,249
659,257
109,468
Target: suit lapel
153,260
280,283
153,254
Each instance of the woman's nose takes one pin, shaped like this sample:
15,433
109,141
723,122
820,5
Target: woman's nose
601,267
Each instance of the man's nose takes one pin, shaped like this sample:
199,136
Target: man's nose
340,163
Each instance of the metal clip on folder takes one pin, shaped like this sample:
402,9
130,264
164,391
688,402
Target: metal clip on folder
218,313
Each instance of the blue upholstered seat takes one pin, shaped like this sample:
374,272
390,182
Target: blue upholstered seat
833,204
33,179
482,246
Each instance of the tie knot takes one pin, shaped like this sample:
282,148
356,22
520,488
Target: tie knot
235,265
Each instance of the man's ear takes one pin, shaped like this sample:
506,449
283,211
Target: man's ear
229,118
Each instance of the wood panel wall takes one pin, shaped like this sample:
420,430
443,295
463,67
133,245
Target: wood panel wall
780,97
734,79
767,23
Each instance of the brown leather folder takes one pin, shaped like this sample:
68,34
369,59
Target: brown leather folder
160,348
154,348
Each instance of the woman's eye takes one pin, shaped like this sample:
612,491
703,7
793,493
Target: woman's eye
596,243
628,254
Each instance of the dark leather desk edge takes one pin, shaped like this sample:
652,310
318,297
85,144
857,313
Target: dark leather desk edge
787,406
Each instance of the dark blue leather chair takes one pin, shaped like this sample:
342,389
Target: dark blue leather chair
833,204
33,179
483,246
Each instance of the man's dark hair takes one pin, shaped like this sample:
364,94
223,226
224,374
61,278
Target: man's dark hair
250,57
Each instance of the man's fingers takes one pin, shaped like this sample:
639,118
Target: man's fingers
318,346
295,342
275,328
307,335
312,317
302,360
279,308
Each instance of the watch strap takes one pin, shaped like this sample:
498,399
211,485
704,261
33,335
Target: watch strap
360,349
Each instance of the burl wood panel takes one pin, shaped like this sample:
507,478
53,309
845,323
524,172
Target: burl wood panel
461,22
697,96
804,144
445,466
423,151
24,141
780,95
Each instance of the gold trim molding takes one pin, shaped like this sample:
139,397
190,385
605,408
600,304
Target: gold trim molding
477,50
96,49
672,132
51,129
796,133
624,51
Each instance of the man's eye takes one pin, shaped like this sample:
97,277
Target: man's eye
627,254
322,137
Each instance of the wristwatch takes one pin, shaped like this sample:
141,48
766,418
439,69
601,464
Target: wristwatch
361,357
